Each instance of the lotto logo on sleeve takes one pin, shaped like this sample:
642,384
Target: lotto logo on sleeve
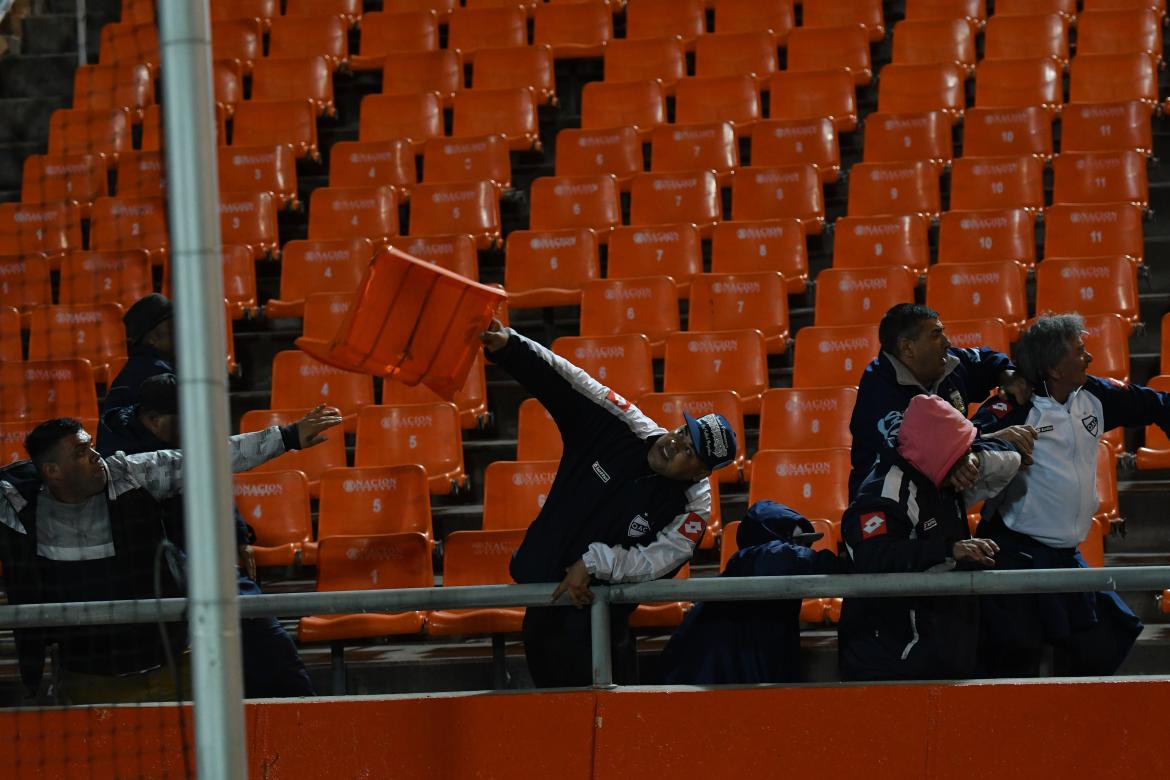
617,400
692,527
873,524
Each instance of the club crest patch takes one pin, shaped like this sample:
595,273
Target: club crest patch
638,527
1090,423
958,402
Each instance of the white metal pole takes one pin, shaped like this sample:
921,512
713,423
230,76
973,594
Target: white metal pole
200,338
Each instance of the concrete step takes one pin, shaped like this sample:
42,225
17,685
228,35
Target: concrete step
27,118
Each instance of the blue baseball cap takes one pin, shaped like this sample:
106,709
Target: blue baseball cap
713,439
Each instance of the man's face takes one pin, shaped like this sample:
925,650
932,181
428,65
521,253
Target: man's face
1072,370
162,337
165,427
76,468
926,354
674,456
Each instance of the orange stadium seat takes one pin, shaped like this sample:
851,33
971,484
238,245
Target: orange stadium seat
640,59
762,245
607,105
828,356
968,291
775,16
130,223
559,202
478,558
997,183
514,492
78,177
829,48
894,188
621,362
987,236
50,228
1120,32
814,95
1100,177
276,505
318,266
982,332
734,54
308,36
616,151
1093,230
793,141
530,67
141,175
1016,83
646,305
682,19
695,147
1102,127
137,11
841,13
1110,5
85,331
746,300
1066,8
814,482
292,78
312,462
929,41
667,409
249,219
126,85
1000,132
385,32
412,72
467,158
866,242
1088,285
302,382
349,10
705,99
373,500
974,11
455,252
238,39
857,296
573,29
426,434
510,113
120,277
537,437
910,89
227,78
471,29
291,132
37,390
717,360
778,191
664,250
1107,340
393,117
1009,37
25,281
806,418
665,198
10,345
1156,452
471,207
103,131
470,399
269,122
264,10
906,137
128,42
239,280
1108,78
362,163
346,212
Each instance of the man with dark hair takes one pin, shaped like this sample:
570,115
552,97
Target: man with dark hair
272,665
917,358
629,503
150,346
78,527
1047,510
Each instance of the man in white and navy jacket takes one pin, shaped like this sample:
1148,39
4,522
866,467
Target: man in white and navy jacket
1047,510
629,503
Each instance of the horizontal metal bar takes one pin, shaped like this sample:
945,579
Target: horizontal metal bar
698,589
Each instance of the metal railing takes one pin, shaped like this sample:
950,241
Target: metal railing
954,583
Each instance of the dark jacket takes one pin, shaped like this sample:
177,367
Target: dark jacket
142,363
882,398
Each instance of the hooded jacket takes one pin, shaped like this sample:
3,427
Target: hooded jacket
142,362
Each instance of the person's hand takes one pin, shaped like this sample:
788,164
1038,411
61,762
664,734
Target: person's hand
981,551
1022,437
247,560
320,419
495,337
963,473
576,584
1015,387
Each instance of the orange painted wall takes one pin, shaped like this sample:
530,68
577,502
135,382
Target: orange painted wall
1110,729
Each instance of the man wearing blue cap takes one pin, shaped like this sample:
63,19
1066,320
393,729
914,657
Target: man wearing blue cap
629,503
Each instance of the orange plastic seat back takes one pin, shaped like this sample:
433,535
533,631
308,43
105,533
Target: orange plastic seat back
778,191
1016,83
537,436
507,112
667,409
249,219
1090,285
269,122
83,131
573,29
1001,132
1066,8
1100,177
987,236
313,462
470,29
868,242
473,158
703,99
50,228
362,163
647,305
324,313
843,13
828,48
997,183
25,281
395,117
10,346
665,18
1107,340
1026,35
813,482
514,492
806,141
239,280
375,500
828,356
455,252
120,277
425,434
301,382
976,333
349,10
616,151
893,188
905,137
319,266
815,94
665,198
38,390
237,39
152,125
1120,31
375,562
857,296
129,223
575,202
227,78
909,89
347,212
620,362
471,207
306,37
276,505
973,11
641,104
968,291
1092,230
762,245
129,42
808,418
722,301
395,32
1107,127
412,72
479,557
549,267
775,16
529,67
470,399
264,10
928,41
662,59
258,169
709,146
665,250
141,175
47,179
718,360
126,85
